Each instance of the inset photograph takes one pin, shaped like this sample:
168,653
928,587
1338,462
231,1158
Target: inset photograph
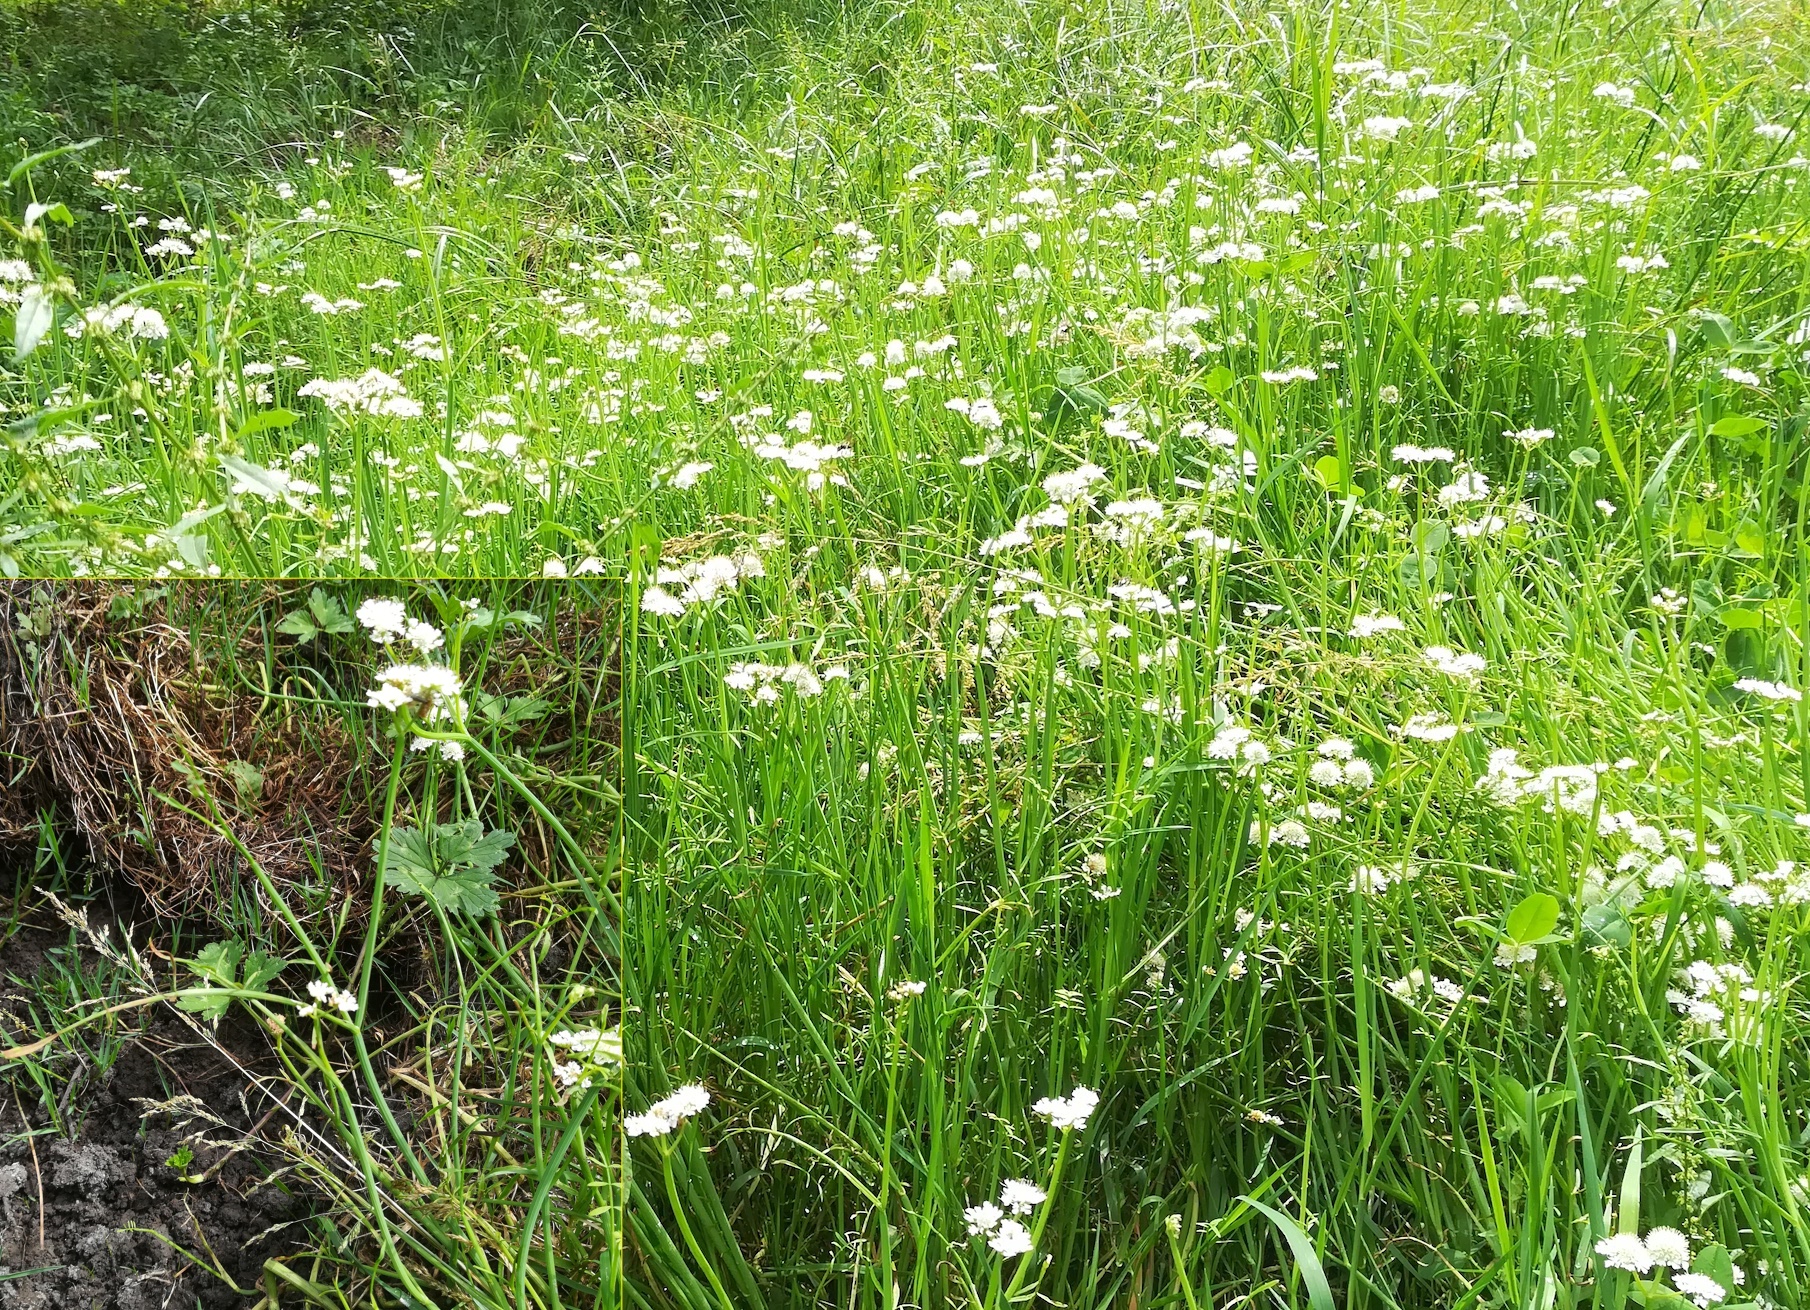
309,969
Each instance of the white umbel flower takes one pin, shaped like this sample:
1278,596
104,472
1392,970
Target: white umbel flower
1068,1112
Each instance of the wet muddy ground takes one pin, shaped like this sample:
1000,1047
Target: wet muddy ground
100,1212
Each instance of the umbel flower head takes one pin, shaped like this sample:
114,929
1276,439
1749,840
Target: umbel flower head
1068,1112
591,1051
429,690
328,997
665,1116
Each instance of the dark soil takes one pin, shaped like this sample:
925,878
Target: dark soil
111,1204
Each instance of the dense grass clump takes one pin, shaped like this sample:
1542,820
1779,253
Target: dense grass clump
1250,562
1217,606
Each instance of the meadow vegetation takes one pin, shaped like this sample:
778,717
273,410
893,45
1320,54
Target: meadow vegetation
1217,702
1216,611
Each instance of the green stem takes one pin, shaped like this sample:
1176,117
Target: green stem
548,1171
1043,1217
368,957
691,1241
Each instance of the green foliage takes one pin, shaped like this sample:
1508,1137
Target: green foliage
227,965
1531,922
508,712
323,614
454,867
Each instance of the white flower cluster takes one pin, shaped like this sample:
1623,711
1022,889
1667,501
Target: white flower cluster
1339,765
1418,983
1568,787
1374,879
372,392
1375,625
328,997
1777,691
592,1051
664,1117
1460,665
698,582
807,456
1236,742
1429,728
1663,1249
762,682
133,321
1070,1112
432,692
1717,995
387,620
1008,1237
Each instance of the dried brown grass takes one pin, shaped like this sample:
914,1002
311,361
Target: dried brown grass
120,729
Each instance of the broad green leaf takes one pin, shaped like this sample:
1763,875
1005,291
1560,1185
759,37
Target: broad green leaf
248,779
1627,1222
217,964
1073,397
1656,484
1737,425
266,420
255,478
1733,616
1607,925
218,961
454,867
1330,472
55,211
510,711
300,624
1511,1105
37,310
329,615
1307,1260
1533,919
30,162
1714,1262
322,614
484,617
1718,330
260,969
1430,536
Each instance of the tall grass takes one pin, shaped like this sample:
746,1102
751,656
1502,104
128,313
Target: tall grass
1404,978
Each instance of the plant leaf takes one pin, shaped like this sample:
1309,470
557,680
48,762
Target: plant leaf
1737,425
1533,919
264,420
1627,1221
255,478
1307,1260
217,963
300,624
454,868
1718,330
260,969
36,313
329,613
30,162
1073,396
